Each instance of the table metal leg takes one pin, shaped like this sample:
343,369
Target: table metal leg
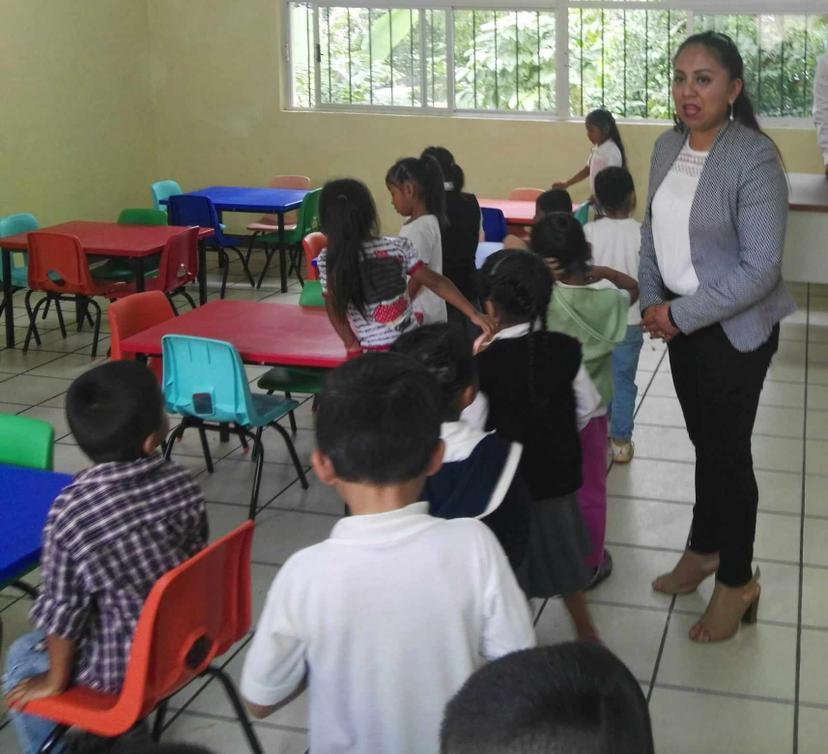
282,261
138,269
202,272
8,292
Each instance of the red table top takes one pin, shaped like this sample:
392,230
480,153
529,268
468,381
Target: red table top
111,239
516,212
262,333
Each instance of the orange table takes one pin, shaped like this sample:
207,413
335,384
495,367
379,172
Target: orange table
270,334
135,242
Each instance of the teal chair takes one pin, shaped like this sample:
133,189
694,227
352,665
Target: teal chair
163,190
205,382
582,213
11,225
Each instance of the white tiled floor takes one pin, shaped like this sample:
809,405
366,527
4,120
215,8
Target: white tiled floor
764,692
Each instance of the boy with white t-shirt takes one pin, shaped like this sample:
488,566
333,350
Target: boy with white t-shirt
616,241
386,618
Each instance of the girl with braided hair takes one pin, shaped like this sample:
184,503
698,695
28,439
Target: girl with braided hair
537,388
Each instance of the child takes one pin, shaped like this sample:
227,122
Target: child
479,476
363,275
573,697
417,193
529,378
461,231
109,535
553,200
607,150
588,306
615,241
386,618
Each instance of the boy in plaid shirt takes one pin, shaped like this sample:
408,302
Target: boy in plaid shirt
109,535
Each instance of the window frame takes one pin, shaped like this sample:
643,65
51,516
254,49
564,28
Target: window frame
561,10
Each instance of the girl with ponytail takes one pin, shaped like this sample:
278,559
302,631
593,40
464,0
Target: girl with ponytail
418,194
538,391
364,276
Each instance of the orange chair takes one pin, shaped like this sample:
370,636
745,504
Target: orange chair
525,194
58,267
312,245
193,614
270,223
131,315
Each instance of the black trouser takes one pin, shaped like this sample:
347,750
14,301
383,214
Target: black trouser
718,388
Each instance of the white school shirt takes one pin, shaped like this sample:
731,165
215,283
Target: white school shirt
616,244
603,155
671,221
388,617
424,233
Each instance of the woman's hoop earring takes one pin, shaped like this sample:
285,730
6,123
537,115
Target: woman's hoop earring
731,111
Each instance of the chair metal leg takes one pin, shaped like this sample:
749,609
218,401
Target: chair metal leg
53,739
243,439
258,450
241,713
251,244
97,331
246,269
291,417
189,298
299,470
27,301
59,312
33,326
170,298
268,258
172,438
224,261
158,723
205,448
45,310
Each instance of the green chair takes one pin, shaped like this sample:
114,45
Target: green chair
311,295
120,269
143,216
306,222
26,442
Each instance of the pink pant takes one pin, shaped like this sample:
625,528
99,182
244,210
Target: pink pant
592,496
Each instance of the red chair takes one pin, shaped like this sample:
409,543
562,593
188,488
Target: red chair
133,314
312,245
177,267
58,267
194,613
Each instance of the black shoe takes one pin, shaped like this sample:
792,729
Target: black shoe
601,573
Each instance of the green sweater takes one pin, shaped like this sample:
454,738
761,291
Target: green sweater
596,316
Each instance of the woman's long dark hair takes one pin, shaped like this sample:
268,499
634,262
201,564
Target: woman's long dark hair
348,217
427,177
605,122
452,172
724,49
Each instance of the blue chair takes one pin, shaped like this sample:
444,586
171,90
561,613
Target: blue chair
205,382
186,210
494,224
163,190
11,225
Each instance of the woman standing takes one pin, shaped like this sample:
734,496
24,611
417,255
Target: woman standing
710,280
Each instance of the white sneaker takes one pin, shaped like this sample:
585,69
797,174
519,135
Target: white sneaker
622,451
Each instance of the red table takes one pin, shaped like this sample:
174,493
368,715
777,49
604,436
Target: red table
515,212
262,333
135,242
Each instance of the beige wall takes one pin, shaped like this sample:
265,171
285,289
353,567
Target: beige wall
108,95
75,122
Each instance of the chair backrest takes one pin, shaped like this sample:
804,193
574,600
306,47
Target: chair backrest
312,245
25,441
179,260
11,225
186,210
57,263
525,194
582,213
132,314
143,216
205,378
308,219
494,224
163,190
311,295
290,182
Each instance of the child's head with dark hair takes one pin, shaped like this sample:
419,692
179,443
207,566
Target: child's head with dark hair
452,172
601,125
417,181
560,236
348,217
575,698
378,419
116,412
554,200
517,285
615,191
445,350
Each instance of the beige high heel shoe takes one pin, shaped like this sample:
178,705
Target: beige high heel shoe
728,607
678,581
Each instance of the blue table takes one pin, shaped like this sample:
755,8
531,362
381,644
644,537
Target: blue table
25,498
272,201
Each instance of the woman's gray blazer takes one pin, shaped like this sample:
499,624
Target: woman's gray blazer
737,232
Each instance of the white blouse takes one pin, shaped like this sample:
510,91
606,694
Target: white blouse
671,221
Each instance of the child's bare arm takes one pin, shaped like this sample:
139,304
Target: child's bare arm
260,711
447,291
343,329
577,178
53,681
617,278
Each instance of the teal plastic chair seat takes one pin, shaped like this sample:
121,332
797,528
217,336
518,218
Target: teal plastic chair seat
11,225
582,213
204,381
